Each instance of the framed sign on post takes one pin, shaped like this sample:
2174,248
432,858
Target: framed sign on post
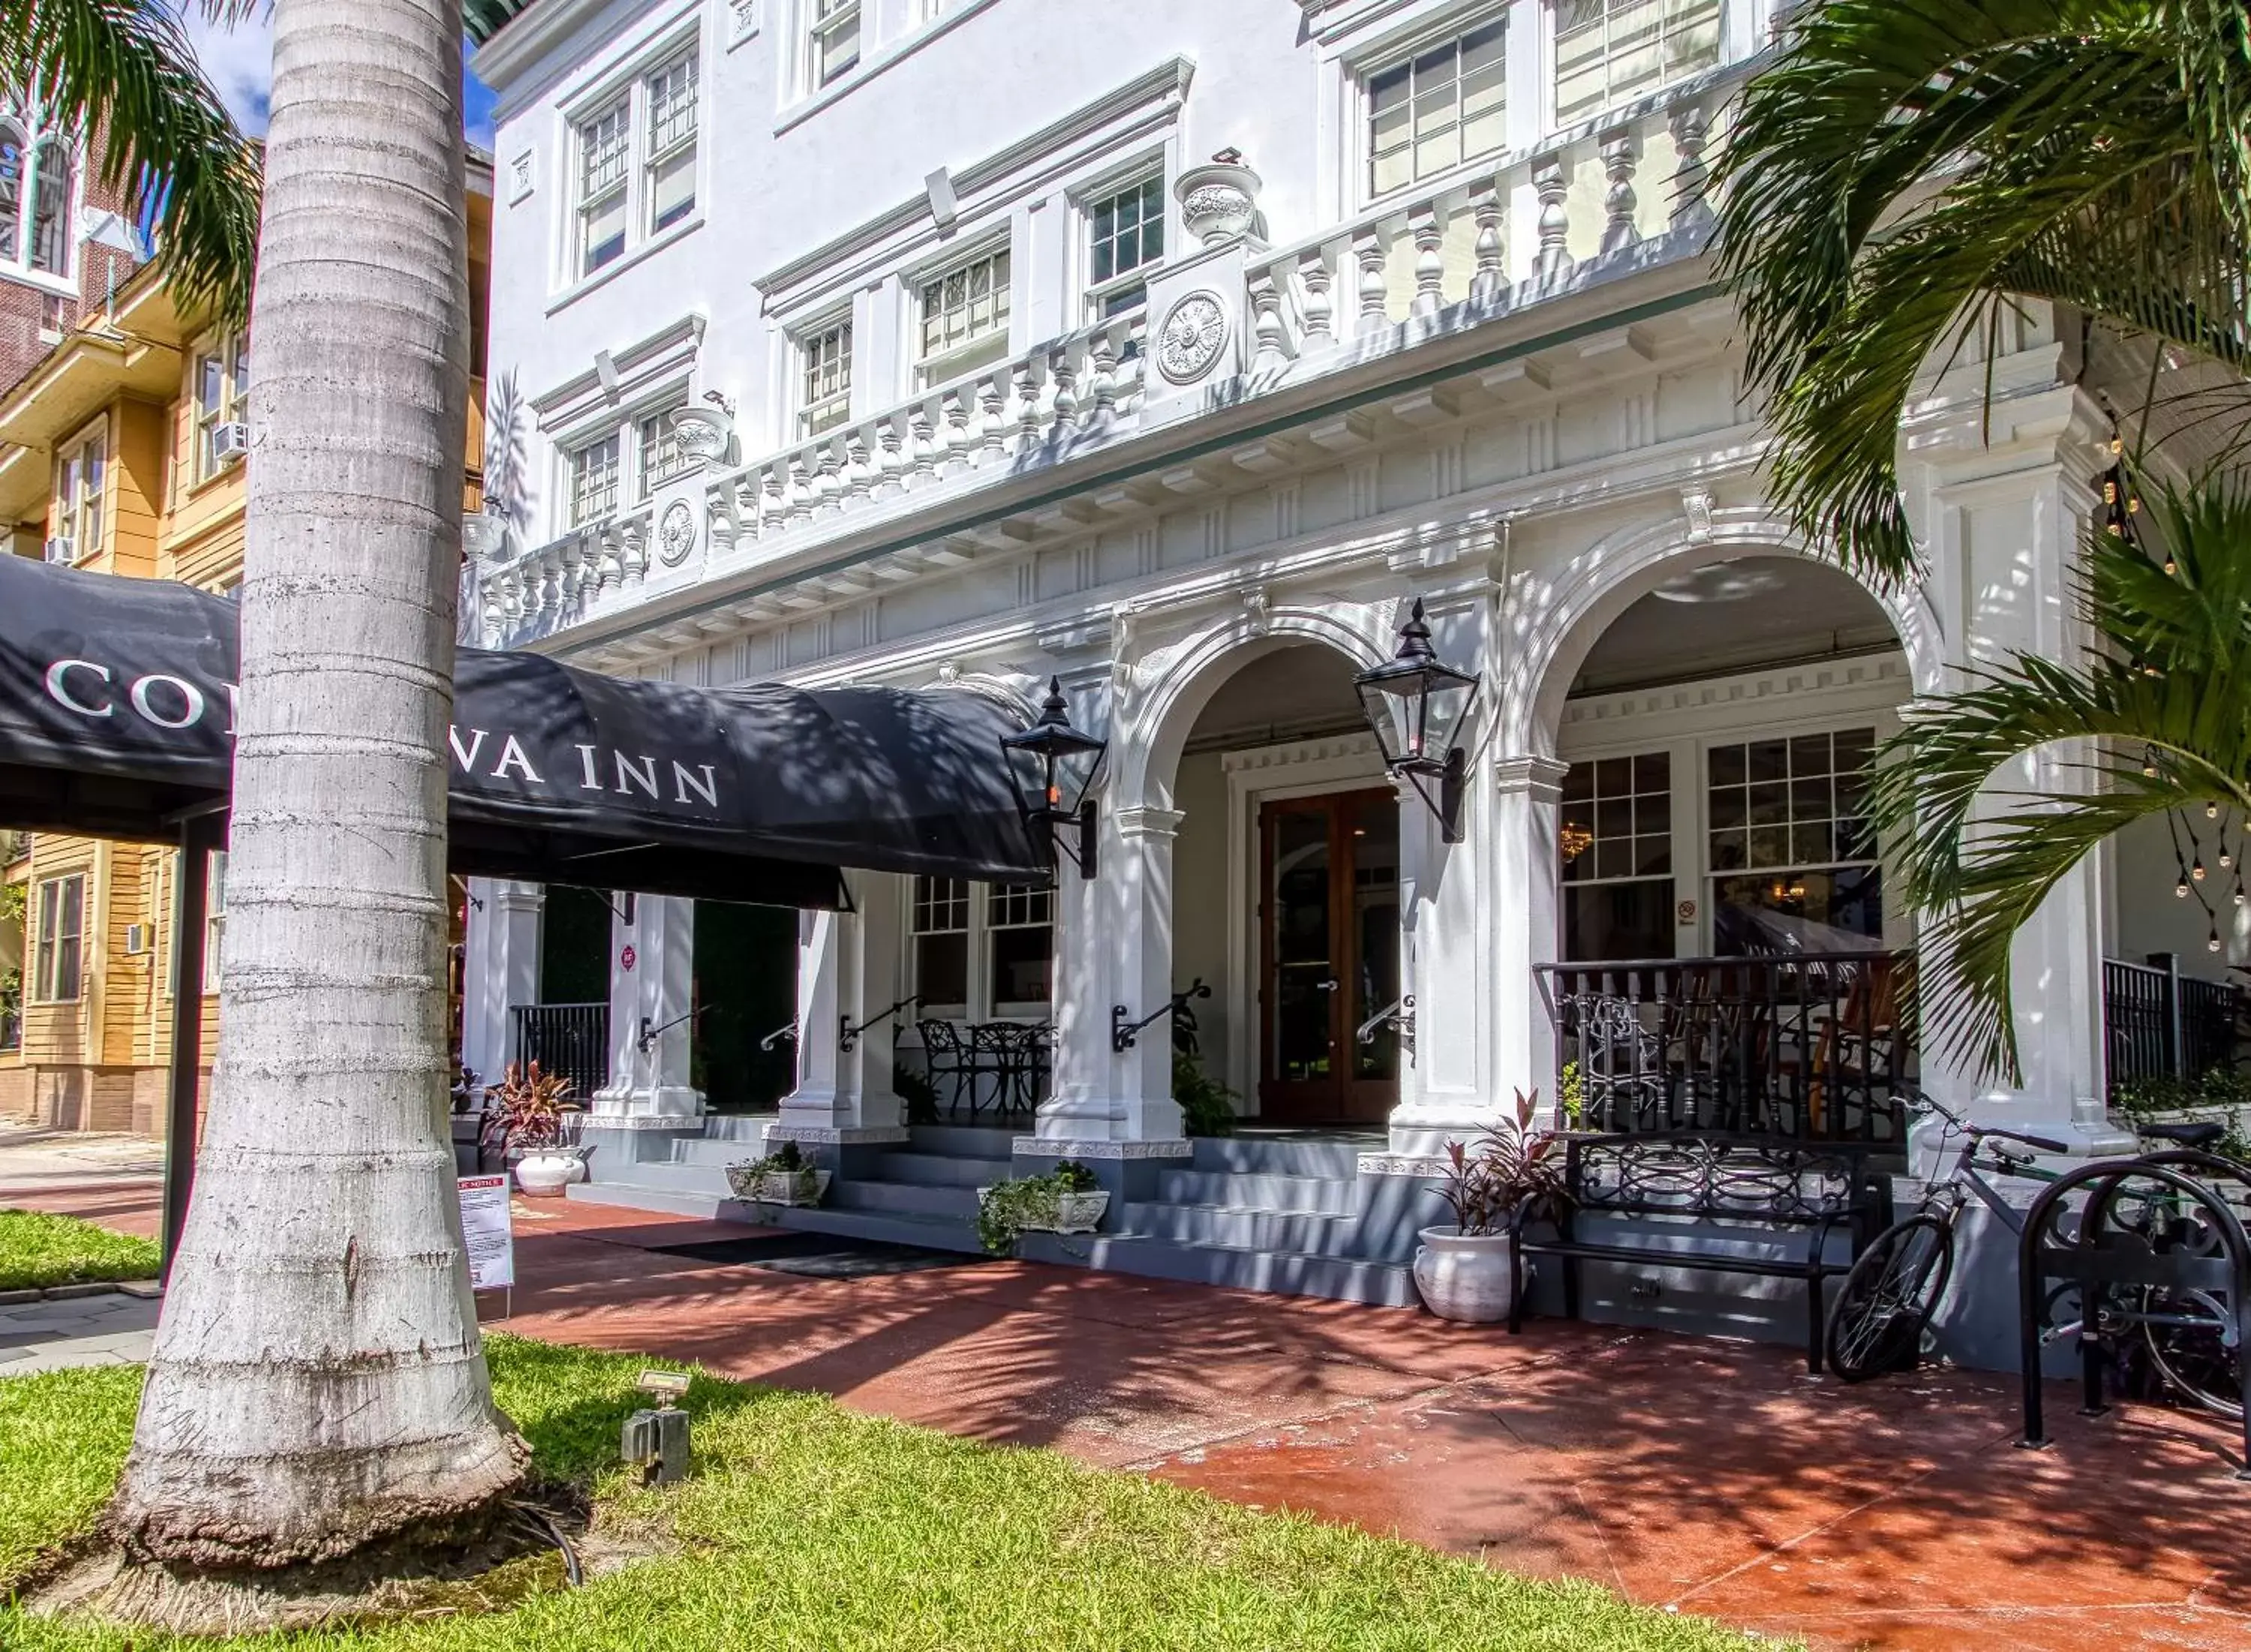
488,1234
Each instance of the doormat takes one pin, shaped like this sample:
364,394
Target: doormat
823,1256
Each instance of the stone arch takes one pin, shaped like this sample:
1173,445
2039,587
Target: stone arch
1549,642
1170,686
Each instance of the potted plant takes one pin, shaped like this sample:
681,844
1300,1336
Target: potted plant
529,1115
1067,1200
1463,1268
781,1177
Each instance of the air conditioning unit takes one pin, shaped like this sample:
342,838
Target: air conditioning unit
59,549
229,442
136,939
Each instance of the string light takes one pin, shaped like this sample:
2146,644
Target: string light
2211,942
2197,871
2180,890
2212,811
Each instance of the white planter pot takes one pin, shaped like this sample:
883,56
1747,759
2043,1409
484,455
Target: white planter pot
546,1175
794,1188
1464,1277
1219,202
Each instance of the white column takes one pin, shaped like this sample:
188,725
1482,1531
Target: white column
501,969
1446,921
652,981
847,968
1526,795
1114,946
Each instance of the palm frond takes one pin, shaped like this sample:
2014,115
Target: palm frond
482,19
123,71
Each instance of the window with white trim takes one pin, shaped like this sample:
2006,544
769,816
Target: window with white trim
81,493
671,137
38,164
214,915
594,479
1443,106
50,205
58,955
1609,52
634,167
604,145
1616,842
983,951
1792,854
964,319
1125,235
833,39
825,360
222,394
661,456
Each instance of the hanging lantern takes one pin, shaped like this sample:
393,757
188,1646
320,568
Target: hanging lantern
1415,706
1053,767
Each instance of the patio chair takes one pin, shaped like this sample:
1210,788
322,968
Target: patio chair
947,1060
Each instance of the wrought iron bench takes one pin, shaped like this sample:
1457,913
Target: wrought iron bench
1787,1196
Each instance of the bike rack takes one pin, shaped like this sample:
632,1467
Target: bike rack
2104,1252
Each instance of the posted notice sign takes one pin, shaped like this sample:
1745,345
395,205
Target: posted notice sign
485,1225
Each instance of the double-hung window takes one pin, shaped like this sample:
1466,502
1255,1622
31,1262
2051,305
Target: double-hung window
605,147
58,955
1127,233
661,456
1444,106
594,479
836,39
1616,848
1792,854
826,356
981,952
965,318
37,189
671,163
82,480
222,391
214,915
1608,52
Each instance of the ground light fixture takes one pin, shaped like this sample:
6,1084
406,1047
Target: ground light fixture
1416,705
1053,766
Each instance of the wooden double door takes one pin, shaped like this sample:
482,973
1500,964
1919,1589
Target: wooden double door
1329,919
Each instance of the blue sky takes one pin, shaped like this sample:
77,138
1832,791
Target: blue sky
240,63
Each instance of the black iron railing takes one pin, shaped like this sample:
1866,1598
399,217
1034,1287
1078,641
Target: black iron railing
570,1039
1810,1046
2160,1023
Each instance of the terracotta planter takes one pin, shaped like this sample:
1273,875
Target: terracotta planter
1464,1277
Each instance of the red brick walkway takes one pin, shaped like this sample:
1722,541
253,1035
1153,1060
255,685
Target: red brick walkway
1714,1476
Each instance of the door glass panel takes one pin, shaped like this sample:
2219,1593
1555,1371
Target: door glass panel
1374,844
1305,975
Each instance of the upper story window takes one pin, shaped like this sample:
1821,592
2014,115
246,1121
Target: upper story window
661,456
594,479
222,392
1435,110
638,146
82,479
1126,229
58,958
1609,51
826,358
37,184
836,39
965,318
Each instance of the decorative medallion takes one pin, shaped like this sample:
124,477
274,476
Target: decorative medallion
676,536
1193,333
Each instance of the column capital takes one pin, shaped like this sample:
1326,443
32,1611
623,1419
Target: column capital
1542,777
1147,820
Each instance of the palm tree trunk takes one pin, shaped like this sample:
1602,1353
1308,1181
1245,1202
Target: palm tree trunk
317,1380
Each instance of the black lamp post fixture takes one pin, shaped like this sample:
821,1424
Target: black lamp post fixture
1053,765
1415,706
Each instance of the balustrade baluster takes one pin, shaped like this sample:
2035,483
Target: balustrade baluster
1267,326
1028,407
633,549
925,460
1313,276
1064,372
1553,183
1692,178
1368,252
720,526
802,495
773,500
569,557
1429,230
891,465
960,451
992,404
1491,272
1103,358
550,584
1620,154
859,484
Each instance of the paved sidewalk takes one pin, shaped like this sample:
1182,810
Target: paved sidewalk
116,1180
111,1328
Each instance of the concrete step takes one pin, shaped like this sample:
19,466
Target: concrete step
964,1141
1232,1225
715,1149
625,1195
1268,1155
905,1198
737,1127
941,1170
671,1178
1323,1195
933,1233
1286,1273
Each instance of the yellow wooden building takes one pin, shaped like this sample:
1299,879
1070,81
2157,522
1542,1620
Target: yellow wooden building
123,453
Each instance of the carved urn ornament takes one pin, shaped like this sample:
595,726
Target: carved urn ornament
703,433
1219,201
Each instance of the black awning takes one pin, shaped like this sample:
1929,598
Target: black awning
116,718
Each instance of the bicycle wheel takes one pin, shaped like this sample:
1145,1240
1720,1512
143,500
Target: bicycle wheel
2185,1333
1876,1326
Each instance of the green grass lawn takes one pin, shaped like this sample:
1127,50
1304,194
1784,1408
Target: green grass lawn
37,1249
806,1526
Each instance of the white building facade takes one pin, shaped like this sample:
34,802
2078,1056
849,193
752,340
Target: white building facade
1172,351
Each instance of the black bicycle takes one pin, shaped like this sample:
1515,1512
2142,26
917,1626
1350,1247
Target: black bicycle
1885,1306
